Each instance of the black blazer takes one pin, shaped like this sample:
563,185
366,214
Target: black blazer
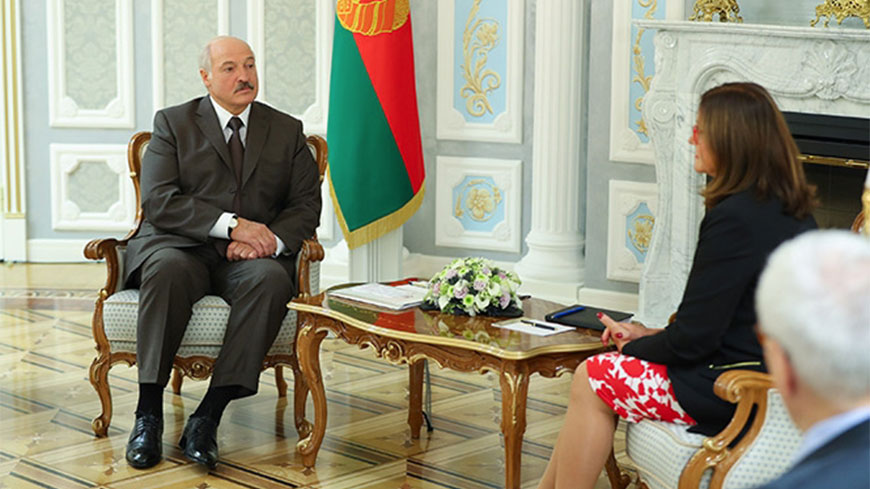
188,179
842,463
713,329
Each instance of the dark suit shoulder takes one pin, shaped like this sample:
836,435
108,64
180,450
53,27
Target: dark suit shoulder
275,116
767,216
183,110
844,460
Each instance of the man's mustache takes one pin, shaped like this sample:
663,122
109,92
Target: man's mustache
243,85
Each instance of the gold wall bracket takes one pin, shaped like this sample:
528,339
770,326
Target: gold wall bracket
728,10
840,9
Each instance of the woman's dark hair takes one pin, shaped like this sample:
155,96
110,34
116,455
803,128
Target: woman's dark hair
752,147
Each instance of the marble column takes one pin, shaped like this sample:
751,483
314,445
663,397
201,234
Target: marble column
379,260
555,260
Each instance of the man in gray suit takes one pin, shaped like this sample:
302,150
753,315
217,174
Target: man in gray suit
229,192
813,304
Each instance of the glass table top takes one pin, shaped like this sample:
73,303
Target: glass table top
466,332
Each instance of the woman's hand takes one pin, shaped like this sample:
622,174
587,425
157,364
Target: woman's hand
621,333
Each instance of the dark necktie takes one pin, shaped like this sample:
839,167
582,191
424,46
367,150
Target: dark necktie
237,153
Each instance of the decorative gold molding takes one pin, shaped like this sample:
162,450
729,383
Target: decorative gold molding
840,9
865,201
641,237
12,202
478,39
640,62
478,202
728,10
831,161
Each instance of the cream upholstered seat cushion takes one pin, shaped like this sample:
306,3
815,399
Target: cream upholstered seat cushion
661,450
207,326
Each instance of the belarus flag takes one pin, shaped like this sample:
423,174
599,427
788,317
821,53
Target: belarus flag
376,168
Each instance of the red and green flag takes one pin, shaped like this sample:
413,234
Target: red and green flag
376,168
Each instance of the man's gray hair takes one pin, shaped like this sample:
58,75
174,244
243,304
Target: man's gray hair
205,54
813,298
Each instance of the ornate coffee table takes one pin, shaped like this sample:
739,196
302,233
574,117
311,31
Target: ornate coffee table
467,344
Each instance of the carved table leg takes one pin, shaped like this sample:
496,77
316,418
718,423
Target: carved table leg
415,398
514,391
308,350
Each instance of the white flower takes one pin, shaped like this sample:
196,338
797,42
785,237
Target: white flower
473,286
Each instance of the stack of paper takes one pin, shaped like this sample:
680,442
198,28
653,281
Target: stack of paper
533,326
400,297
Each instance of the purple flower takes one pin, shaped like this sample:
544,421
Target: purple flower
501,275
504,300
485,270
450,273
460,292
479,284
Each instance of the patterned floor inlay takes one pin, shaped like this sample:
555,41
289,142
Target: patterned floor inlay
47,404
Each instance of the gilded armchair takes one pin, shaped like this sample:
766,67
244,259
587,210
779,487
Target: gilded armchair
115,311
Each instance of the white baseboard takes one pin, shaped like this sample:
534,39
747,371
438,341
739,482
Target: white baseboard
56,250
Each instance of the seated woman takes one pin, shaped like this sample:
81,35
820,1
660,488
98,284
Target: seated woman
757,198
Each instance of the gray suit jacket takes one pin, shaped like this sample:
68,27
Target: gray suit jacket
188,180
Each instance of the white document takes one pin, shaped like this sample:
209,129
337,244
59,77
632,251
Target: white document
533,326
399,297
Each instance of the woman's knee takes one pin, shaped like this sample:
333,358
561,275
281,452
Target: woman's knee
580,387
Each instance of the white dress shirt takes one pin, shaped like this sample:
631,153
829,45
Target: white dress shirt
826,430
222,225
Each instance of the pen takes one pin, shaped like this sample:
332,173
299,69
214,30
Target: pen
568,311
537,324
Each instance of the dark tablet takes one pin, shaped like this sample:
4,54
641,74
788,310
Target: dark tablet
581,316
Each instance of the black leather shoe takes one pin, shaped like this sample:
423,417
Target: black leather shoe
145,446
199,441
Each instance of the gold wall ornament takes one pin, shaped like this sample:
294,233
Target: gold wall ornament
478,39
372,17
728,10
840,9
641,235
479,202
640,63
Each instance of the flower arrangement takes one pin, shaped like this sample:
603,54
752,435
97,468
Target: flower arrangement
474,286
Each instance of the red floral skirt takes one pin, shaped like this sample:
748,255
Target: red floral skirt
635,389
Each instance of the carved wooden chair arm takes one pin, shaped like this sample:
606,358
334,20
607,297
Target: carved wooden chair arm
106,248
311,251
747,389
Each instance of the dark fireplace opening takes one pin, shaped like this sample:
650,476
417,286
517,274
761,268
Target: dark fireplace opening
836,155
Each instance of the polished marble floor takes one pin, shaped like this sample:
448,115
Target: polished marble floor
47,403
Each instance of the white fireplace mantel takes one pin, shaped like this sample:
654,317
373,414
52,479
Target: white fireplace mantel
814,70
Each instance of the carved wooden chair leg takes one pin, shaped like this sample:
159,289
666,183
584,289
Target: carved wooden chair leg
177,378
618,478
99,376
280,382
